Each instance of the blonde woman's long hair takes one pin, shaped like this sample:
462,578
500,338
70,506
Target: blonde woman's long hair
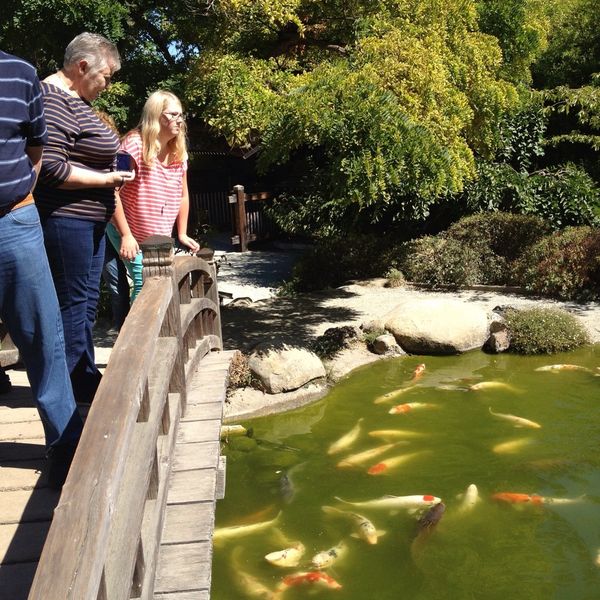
149,127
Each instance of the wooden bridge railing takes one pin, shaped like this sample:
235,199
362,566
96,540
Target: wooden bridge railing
104,538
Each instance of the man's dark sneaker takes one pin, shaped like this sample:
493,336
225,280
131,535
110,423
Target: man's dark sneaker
5,384
59,462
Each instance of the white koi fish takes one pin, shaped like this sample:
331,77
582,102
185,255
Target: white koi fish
563,367
395,434
326,558
248,584
516,421
355,460
511,446
387,465
226,533
470,498
491,385
390,502
232,430
346,440
365,530
597,561
289,557
393,394
401,409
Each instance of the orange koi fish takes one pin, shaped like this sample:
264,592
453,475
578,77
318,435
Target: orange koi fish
312,577
401,409
517,498
418,372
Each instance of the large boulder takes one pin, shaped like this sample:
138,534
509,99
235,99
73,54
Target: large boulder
281,367
438,326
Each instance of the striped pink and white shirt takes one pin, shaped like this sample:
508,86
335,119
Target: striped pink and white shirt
151,201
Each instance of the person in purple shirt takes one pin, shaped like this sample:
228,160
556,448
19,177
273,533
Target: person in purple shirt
28,302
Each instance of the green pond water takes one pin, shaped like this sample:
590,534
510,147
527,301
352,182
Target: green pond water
495,550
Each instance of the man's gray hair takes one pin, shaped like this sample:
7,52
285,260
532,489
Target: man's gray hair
93,48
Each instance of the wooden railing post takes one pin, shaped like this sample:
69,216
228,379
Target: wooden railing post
241,226
157,261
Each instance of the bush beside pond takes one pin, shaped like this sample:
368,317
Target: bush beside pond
544,331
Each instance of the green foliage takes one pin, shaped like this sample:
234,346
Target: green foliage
439,260
334,261
573,52
563,195
378,106
544,331
564,265
333,341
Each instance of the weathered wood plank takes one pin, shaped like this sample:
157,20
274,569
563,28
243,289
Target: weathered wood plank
197,595
15,580
10,432
185,523
22,542
192,486
23,474
28,505
18,415
221,478
196,455
199,431
184,567
129,509
203,412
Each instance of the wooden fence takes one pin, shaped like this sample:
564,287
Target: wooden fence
104,538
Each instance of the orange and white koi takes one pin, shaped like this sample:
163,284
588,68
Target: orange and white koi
401,409
346,440
393,394
395,434
418,372
355,460
390,502
516,421
326,558
365,530
387,465
563,367
511,446
289,557
470,498
491,385
309,577
518,498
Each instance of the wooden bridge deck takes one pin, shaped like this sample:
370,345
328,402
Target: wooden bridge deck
27,504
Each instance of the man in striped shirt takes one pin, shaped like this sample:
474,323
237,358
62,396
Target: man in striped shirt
28,302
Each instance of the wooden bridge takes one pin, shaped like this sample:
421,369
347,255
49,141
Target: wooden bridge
136,514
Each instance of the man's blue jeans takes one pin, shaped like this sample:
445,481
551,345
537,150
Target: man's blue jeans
29,308
75,250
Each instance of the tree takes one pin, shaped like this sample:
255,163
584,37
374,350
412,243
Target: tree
380,106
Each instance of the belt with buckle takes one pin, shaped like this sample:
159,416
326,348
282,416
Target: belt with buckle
18,204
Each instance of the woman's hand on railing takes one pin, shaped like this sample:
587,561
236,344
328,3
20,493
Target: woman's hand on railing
129,247
190,243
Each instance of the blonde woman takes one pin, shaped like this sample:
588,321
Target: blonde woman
158,196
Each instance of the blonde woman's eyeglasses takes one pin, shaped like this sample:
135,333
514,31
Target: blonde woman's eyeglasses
174,116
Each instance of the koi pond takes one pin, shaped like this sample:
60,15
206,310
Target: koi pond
313,484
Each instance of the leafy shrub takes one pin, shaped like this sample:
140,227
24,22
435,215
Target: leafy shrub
439,260
544,331
498,239
370,336
564,265
395,278
336,260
